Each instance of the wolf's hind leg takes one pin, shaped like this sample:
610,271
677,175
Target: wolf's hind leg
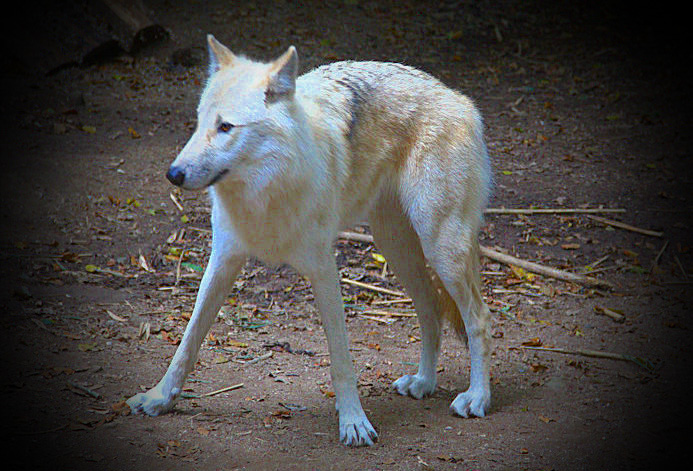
397,240
455,259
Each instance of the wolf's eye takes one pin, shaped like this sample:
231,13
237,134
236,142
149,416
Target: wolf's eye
225,127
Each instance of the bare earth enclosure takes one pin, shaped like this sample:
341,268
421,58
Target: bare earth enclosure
585,108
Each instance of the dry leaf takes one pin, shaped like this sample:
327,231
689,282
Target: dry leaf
69,257
570,246
121,408
172,339
548,290
630,253
534,342
282,414
538,367
522,274
143,263
378,258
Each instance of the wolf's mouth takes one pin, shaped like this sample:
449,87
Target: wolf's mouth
218,176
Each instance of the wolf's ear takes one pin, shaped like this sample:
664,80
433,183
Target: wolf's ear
219,55
282,79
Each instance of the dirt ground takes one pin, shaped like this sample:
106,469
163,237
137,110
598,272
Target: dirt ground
585,107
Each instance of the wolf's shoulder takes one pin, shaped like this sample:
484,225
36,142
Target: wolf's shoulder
366,81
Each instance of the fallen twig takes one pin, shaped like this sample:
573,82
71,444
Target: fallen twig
523,292
41,432
106,271
115,317
176,202
599,270
178,265
84,389
683,270
543,269
258,359
199,229
499,257
659,255
42,326
628,227
381,302
553,210
374,288
356,236
222,390
614,315
599,261
379,312
387,321
595,354
145,331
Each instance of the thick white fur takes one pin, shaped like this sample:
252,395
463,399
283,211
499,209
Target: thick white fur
309,156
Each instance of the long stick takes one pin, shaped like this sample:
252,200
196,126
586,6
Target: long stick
180,261
595,354
543,269
374,288
659,255
380,312
85,389
388,320
219,391
258,359
628,227
553,210
358,237
503,258
392,301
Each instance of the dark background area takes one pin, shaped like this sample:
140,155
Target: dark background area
585,103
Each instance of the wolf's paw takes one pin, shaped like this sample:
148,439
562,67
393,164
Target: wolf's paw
471,404
415,386
357,432
153,402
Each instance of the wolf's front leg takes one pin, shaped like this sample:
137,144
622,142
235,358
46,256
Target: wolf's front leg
221,270
354,427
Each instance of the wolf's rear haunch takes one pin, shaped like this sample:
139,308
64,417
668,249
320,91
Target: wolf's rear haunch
290,161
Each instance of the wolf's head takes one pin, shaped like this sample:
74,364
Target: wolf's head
241,119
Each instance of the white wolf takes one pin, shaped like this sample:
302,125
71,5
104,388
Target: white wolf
290,161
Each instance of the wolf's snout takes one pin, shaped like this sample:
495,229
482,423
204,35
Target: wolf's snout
175,175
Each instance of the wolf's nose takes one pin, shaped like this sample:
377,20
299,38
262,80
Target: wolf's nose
175,175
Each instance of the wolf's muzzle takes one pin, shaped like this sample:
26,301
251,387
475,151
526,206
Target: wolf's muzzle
175,175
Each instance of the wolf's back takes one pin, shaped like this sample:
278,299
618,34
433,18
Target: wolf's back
390,93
